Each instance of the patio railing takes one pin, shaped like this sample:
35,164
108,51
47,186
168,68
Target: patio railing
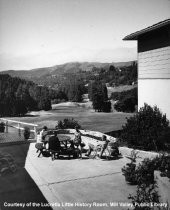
19,126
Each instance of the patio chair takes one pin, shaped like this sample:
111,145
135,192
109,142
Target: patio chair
40,148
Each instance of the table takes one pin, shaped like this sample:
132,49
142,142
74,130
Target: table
64,139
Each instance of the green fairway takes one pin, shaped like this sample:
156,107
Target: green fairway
88,119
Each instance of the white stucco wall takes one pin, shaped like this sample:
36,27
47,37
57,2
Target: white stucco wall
155,92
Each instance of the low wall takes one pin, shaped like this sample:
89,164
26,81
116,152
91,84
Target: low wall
125,151
91,134
163,184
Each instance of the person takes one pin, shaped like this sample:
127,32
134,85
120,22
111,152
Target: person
54,145
114,148
103,146
78,141
43,134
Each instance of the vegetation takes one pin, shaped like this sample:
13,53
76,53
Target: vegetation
68,123
73,89
145,197
98,95
18,96
114,74
143,176
129,171
145,129
126,100
27,133
2,127
65,83
118,76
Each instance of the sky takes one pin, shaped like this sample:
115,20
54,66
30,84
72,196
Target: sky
41,33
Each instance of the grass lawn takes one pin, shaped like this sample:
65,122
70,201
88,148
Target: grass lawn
88,119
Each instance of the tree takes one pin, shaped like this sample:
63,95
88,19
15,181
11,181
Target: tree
18,96
98,96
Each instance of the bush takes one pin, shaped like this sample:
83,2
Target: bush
68,123
164,166
27,133
121,95
143,173
126,100
126,105
129,171
163,141
2,127
145,195
144,129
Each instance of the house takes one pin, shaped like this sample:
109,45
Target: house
154,65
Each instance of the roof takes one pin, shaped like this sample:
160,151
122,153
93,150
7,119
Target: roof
135,36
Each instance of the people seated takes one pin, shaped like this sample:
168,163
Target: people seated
54,145
114,148
43,133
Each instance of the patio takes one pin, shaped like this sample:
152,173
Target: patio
66,184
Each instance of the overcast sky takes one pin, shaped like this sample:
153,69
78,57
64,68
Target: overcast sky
39,33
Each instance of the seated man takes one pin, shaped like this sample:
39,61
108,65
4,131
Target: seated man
54,145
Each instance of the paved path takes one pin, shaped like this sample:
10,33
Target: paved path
79,183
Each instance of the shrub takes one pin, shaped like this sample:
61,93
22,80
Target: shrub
2,127
163,141
126,105
144,129
121,95
26,133
143,173
145,195
68,123
127,100
129,171
164,166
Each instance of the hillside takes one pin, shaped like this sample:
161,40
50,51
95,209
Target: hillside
72,67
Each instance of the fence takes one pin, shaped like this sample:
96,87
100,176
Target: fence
10,133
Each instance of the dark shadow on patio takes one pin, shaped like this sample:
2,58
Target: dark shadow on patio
18,186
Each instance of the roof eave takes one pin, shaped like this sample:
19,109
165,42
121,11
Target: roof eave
135,36
130,37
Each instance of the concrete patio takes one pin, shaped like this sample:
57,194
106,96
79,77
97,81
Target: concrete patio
65,184
79,183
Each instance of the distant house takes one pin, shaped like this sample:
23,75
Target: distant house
154,65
